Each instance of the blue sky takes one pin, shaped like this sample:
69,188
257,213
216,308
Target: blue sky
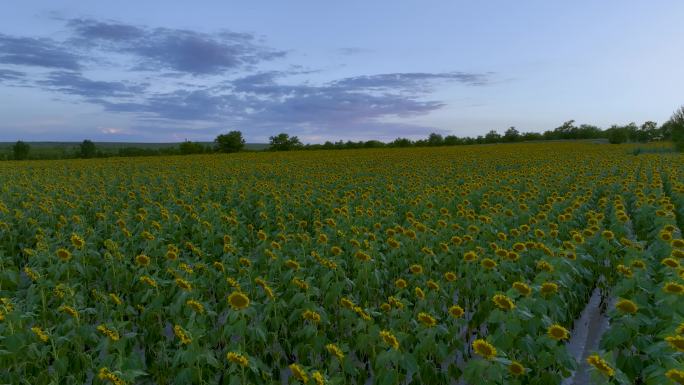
161,71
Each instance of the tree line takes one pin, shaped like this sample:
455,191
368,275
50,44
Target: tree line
233,141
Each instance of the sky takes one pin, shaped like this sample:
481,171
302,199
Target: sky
167,71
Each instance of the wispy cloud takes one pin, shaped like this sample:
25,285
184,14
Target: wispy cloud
74,83
180,50
6,74
181,90
29,51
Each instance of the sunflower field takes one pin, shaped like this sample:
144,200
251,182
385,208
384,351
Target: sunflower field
455,265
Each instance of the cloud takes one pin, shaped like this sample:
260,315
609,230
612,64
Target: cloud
348,51
75,84
179,50
412,81
178,94
36,52
6,74
107,31
261,100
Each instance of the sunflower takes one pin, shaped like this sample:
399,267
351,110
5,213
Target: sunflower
601,365
40,334
673,288
142,260
419,293
488,263
432,285
237,358
77,241
183,284
426,319
105,374
261,235
182,335
311,315
416,269
400,283
544,266
512,256
558,332
503,302
450,276
111,334
548,288
470,256
299,373
522,288
238,300
68,310
390,339
346,302
195,306
318,378
335,351
393,243
607,234
63,254
670,262
624,270
362,256
676,342
627,306
516,368
484,349
395,302
675,375
456,311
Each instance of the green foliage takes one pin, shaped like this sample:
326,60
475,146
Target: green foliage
617,135
21,150
284,142
87,149
230,142
188,147
676,127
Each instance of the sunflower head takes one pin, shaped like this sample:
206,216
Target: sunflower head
558,332
627,306
601,365
237,358
456,311
238,300
516,368
426,319
484,349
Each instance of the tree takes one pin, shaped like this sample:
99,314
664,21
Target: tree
230,142
87,149
647,132
435,140
511,135
452,140
188,147
284,142
401,142
676,127
617,134
564,131
20,150
492,137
